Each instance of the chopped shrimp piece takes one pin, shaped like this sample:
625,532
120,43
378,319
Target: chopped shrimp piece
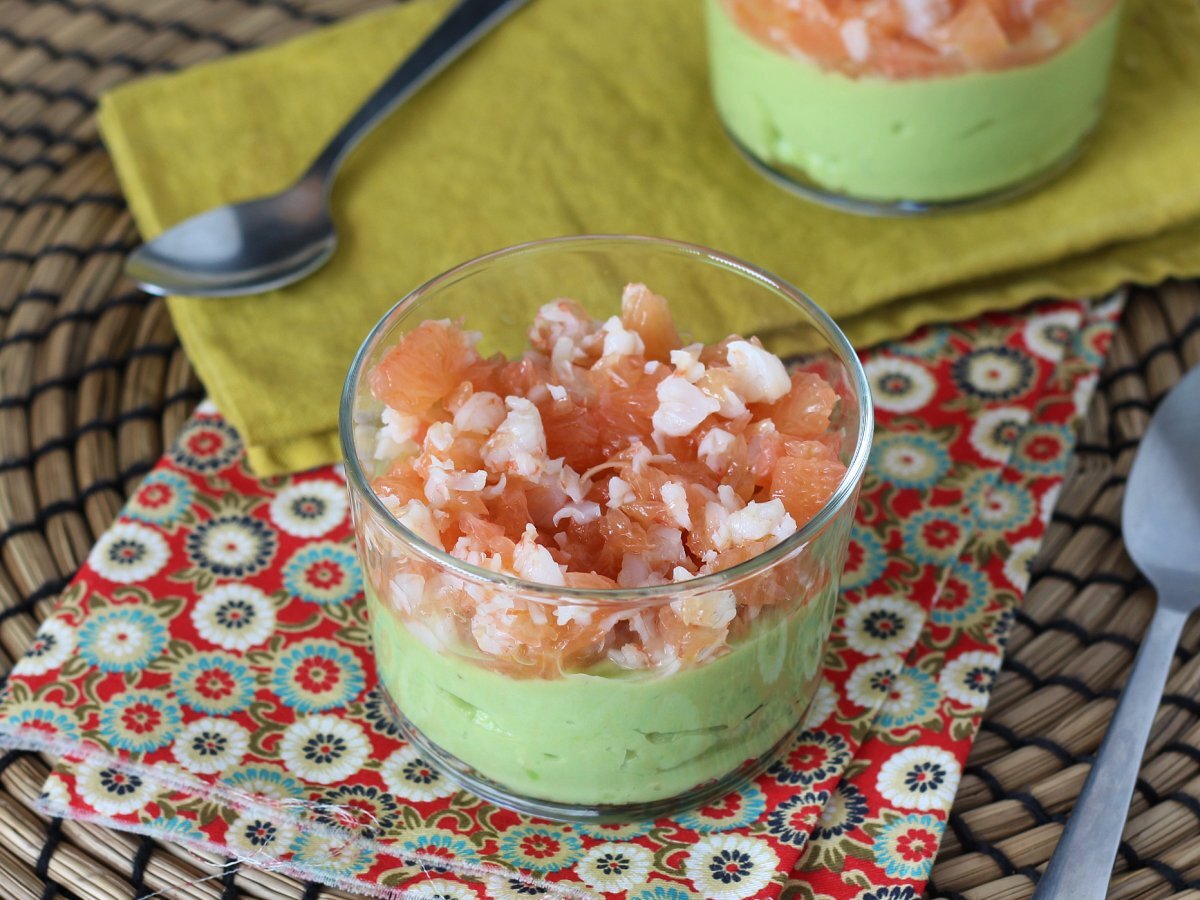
559,320
856,39
759,520
492,491
620,341
582,511
636,571
398,433
665,549
722,386
408,590
729,498
440,436
518,445
690,642
564,479
442,483
687,362
760,374
565,352
490,628
471,551
533,562
481,413
619,493
714,609
765,446
566,613
714,449
416,517
675,496
921,16
716,526
681,407
629,656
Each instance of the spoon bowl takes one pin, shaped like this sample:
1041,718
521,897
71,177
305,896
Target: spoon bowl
240,248
1161,515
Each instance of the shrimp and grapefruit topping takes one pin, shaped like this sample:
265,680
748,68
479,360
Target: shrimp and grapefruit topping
918,38
609,455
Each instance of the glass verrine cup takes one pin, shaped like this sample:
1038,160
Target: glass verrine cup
473,660
910,106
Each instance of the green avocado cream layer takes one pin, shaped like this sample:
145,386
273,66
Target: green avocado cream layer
941,138
609,736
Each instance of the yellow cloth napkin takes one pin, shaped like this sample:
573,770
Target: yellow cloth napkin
578,117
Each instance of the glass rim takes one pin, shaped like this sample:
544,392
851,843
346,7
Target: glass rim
356,479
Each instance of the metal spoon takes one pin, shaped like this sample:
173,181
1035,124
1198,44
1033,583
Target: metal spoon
261,244
1161,527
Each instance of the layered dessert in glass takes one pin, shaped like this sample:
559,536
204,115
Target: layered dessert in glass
907,105
601,529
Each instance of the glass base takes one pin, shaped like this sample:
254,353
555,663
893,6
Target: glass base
794,181
489,790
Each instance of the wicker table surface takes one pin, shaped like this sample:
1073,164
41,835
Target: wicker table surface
93,384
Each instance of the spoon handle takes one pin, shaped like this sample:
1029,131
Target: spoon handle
1082,863
467,22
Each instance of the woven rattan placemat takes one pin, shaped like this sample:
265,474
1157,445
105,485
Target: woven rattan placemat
93,384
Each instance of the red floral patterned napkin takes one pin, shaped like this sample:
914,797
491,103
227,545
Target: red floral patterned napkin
207,678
